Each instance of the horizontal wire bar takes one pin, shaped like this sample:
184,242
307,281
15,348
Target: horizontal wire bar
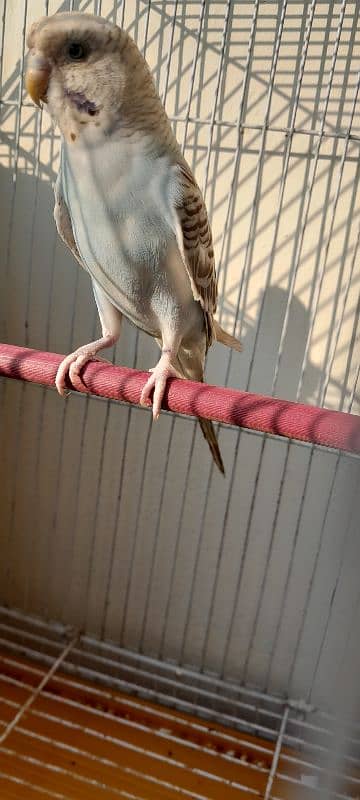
161,733
167,734
66,772
162,713
25,707
245,409
127,660
104,761
299,740
33,786
284,129
126,745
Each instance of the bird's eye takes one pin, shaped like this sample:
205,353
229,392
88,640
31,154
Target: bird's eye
76,51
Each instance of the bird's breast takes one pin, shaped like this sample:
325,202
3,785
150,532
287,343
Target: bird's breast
120,206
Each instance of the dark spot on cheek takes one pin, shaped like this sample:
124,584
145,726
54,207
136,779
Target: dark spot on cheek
72,137
97,124
81,102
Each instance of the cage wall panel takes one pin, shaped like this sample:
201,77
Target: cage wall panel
124,528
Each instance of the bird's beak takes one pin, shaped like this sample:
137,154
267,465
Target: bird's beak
37,77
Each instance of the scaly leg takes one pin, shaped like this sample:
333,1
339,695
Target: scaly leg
160,374
71,366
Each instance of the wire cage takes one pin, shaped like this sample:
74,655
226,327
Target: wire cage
166,632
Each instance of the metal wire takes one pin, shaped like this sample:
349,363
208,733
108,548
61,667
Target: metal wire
25,707
242,135
307,738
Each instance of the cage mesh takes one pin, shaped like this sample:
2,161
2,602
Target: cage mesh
205,588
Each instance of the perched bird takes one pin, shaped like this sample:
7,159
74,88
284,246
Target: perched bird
126,202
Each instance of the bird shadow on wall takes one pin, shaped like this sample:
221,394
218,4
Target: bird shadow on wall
49,301
49,305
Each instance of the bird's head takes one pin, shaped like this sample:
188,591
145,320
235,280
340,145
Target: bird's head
76,63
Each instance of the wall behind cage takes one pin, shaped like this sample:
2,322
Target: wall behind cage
124,528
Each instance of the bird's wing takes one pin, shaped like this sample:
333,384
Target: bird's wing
63,222
194,240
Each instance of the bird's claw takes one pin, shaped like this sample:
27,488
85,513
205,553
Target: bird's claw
157,382
71,367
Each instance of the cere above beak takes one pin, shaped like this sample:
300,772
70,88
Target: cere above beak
37,77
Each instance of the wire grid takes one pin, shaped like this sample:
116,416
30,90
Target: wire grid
286,746
200,132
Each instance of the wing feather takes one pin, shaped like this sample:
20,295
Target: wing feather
195,244
63,222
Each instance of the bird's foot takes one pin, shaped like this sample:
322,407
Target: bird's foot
157,382
72,365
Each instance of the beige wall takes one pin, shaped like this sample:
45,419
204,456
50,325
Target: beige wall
91,535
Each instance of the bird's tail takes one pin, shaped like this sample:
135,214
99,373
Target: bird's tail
210,436
190,365
225,338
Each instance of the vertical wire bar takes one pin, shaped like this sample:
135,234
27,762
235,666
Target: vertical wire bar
193,72
22,416
218,82
176,548
115,528
353,341
309,192
296,262
352,396
312,448
264,129
219,76
177,540
136,352
155,548
3,24
8,253
122,13
314,565
276,755
354,505
331,358
289,570
240,133
135,536
163,484
16,148
26,705
283,179
338,459
297,530
231,200
101,464
147,28
321,273
279,205
246,269
147,443
169,57
288,444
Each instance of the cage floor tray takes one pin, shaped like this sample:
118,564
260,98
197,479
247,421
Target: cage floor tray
76,739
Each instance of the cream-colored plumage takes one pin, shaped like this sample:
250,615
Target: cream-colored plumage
126,202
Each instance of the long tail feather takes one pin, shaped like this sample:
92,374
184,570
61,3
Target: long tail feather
190,365
226,338
210,436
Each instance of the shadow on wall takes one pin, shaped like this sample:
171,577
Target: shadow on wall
49,303
274,301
